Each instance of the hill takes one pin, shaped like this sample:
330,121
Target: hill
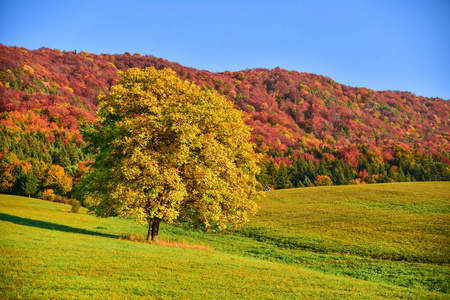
372,241
311,129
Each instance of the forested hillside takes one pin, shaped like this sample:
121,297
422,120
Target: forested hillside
311,130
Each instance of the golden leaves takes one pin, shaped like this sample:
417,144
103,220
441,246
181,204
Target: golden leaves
179,151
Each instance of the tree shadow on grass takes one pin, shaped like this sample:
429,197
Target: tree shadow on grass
50,226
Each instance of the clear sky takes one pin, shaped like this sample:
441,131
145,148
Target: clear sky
379,44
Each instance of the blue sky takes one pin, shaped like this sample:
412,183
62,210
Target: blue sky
383,45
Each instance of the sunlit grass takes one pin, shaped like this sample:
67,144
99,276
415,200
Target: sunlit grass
48,252
409,222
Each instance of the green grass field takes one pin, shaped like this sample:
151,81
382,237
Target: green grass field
354,242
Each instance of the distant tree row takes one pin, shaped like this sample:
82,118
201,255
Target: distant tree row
33,165
326,169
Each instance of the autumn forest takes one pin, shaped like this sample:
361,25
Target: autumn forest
310,130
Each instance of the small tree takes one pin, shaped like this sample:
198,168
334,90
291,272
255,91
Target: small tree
282,177
168,150
57,179
323,180
307,182
75,205
31,184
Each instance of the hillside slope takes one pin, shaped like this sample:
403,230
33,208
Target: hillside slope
48,252
348,134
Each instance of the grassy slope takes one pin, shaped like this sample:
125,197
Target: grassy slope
47,252
394,221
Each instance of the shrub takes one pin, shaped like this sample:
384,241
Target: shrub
66,200
323,180
356,181
75,206
48,194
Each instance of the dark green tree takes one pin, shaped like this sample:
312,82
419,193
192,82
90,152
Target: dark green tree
283,177
30,184
307,182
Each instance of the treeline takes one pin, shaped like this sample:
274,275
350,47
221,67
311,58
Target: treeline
322,169
49,165
44,165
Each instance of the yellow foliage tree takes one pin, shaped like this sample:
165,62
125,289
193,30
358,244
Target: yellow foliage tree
322,180
57,180
169,150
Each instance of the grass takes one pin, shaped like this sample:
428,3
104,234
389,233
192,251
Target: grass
363,242
408,222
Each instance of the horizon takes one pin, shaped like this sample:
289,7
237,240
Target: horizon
399,46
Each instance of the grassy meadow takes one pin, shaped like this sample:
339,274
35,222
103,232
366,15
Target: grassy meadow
351,242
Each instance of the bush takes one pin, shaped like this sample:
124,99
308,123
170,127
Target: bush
356,181
48,194
75,206
323,180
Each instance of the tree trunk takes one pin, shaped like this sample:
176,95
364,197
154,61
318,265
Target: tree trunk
150,225
153,229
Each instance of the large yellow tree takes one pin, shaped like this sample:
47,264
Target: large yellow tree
169,150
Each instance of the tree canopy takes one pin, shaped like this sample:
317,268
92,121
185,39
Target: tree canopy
169,150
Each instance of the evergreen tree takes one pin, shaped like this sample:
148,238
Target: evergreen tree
307,182
271,173
325,166
20,178
339,177
72,154
64,159
401,176
30,184
298,172
264,177
283,177
391,174
310,171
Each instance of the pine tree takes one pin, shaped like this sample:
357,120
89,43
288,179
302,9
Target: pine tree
307,182
271,173
283,178
30,184
20,178
264,177
64,159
